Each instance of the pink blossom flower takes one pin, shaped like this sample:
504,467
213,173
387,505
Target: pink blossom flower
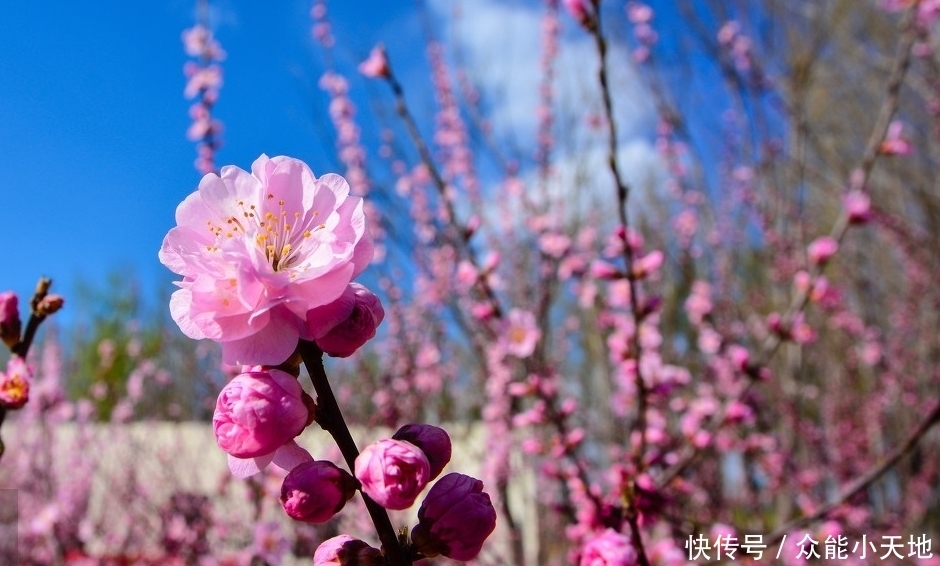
258,251
344,550
432,440
609,548
14,384
376,66
822,249
393,472
10,324
358,327
258,412
520,333
315,491
455,518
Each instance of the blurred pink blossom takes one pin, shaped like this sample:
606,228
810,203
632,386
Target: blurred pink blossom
608,548
14,384
822,249
520,333
376,66
857,206
895,143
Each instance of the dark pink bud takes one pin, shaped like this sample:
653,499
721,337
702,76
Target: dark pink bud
346,337
393,473
432,440
10,324
315,491
455,518
347,551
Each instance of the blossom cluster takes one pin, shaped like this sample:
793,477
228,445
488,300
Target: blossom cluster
203,81
268,259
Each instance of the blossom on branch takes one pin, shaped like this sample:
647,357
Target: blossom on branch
258,251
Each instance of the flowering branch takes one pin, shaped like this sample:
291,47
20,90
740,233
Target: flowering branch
41,305
862,482
837,233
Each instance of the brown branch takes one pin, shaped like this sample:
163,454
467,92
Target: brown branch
331,420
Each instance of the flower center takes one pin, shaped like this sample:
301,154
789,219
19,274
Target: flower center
278,233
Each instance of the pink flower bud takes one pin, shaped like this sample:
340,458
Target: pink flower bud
258,412
315,491
432,440
857,207
600,269
821,249
10,324
347,551
14,384
609,548
376,66
455,518
50,304
648,264
393,472
581,11
346,337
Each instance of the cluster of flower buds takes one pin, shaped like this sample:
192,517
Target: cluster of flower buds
454,519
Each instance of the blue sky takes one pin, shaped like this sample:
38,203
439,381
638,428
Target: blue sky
93,120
